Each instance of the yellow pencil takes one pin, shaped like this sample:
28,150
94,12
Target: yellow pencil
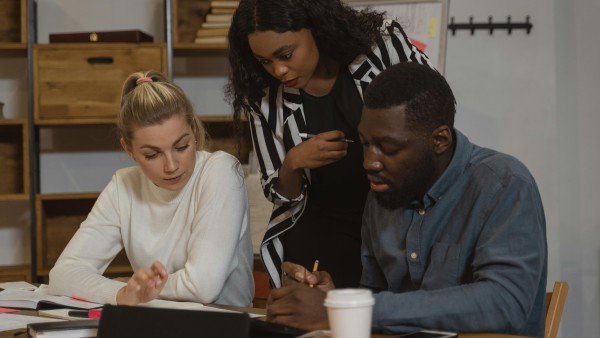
315,267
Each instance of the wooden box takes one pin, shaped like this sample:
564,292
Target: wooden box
83,81
13,21
58,216
14,158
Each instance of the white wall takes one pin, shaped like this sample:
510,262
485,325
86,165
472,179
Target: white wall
534,96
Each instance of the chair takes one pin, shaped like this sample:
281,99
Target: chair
262,288
555,301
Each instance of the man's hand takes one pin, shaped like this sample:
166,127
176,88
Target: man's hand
298,305
294,273
144,286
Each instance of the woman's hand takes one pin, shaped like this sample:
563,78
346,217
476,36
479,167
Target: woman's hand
323,149
144,286
315,152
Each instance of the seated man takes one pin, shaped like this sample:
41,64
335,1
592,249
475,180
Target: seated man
454,235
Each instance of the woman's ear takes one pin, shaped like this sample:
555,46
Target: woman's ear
126,148
442,139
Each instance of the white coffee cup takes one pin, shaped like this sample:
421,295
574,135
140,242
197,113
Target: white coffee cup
349,312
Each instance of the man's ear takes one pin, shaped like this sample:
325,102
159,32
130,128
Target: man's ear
442,139
126,148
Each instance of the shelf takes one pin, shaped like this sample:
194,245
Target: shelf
8,49
58,216
15,273
192,49
14,197
13,23
14,159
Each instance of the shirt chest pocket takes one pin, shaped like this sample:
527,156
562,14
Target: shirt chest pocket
443,269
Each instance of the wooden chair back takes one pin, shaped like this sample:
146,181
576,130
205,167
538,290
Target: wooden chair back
555,302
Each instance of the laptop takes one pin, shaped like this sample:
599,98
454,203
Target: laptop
138,321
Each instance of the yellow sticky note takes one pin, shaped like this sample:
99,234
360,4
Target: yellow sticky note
432,27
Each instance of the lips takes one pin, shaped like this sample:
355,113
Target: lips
378,185
174,180
290,83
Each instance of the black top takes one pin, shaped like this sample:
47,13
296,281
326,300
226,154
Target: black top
329,228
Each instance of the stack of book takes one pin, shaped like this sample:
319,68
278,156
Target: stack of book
216,24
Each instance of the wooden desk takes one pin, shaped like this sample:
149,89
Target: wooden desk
461,335
22,333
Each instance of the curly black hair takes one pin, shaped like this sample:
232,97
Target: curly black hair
429,100
340,32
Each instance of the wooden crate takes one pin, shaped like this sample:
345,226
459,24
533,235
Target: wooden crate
58,216
14,158
13,21
79,81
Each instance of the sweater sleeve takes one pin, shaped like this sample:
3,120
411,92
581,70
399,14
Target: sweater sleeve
78,271
219,235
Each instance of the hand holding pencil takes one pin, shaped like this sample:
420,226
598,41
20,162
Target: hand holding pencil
295,273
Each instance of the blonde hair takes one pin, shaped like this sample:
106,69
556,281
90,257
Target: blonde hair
149,98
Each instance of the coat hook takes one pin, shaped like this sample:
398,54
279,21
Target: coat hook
490,25
471,25
509,25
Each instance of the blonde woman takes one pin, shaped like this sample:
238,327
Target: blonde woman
181,214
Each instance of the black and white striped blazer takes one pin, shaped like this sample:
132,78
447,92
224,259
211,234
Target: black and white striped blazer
276,121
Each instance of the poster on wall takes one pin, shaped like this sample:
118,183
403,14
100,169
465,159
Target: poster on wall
424,21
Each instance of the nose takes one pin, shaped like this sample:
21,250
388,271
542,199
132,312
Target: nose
280,69
371,160
171,165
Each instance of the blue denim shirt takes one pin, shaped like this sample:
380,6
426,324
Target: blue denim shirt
474,258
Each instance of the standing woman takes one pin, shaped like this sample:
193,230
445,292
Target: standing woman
301,66
181,214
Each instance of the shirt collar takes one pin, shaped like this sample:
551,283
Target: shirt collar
458,164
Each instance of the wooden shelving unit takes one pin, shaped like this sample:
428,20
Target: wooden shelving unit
14,135
55,103
14,160
58,218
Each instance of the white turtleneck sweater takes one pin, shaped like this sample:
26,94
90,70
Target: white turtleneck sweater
201,234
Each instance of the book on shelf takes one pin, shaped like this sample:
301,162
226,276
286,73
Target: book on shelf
224,3
210,17
215,25
40,299
211,40
208,32
64,329
218,10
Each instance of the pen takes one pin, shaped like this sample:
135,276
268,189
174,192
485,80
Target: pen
315,267
306,136
93,313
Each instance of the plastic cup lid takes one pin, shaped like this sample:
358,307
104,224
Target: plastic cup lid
349,298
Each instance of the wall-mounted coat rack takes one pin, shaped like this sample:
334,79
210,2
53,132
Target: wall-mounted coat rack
490,26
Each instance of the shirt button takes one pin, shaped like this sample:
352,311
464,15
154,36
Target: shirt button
413,255
421,212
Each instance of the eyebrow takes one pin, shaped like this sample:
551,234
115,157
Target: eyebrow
156,148
276,52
